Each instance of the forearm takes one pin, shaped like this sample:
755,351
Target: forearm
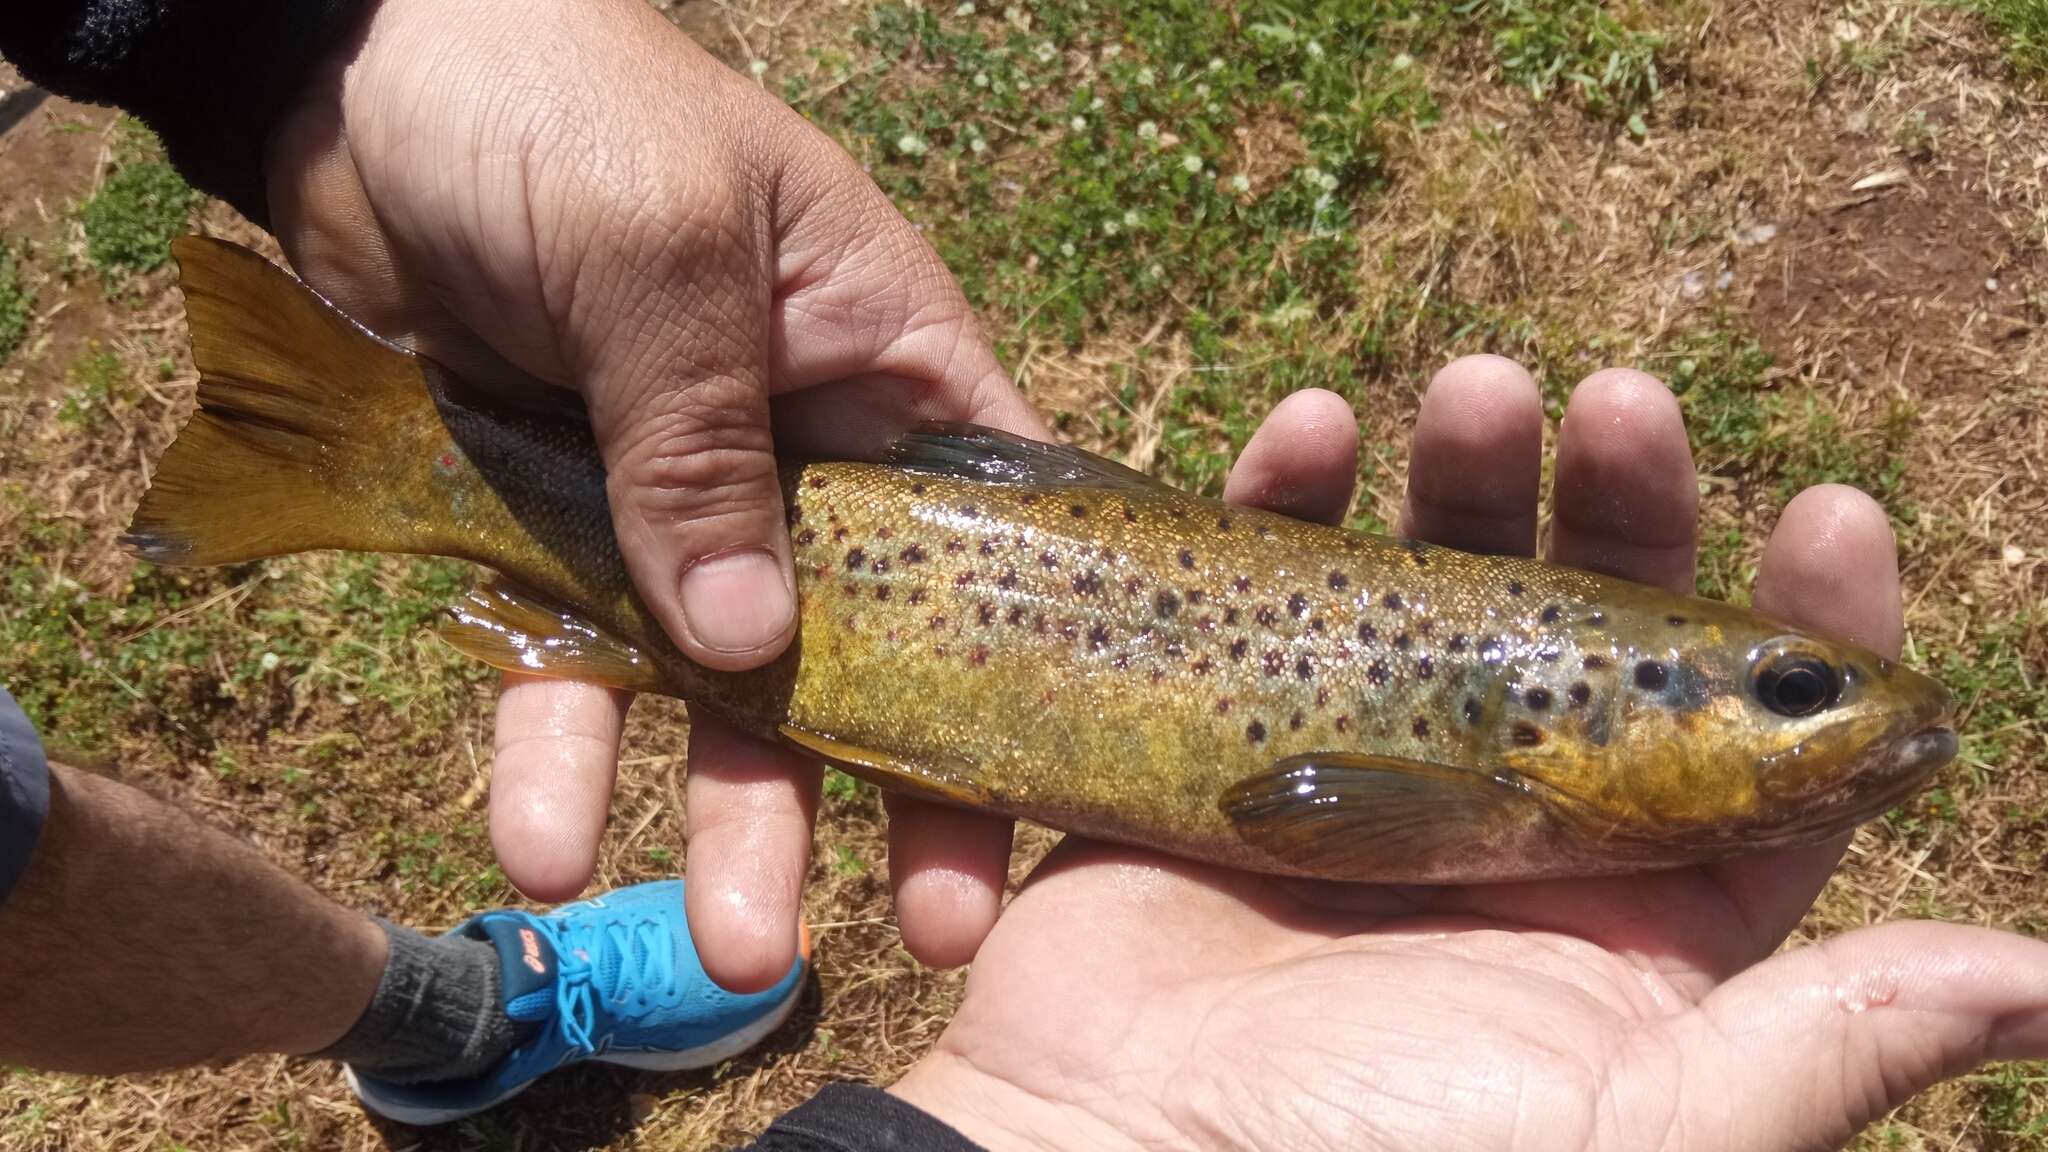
210,76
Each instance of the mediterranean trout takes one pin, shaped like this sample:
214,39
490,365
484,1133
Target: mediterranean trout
1035,631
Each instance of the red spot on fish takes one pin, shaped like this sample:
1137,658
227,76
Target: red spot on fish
1223,706
980,656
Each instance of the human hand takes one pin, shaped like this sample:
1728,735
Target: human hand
1126,1000
573,194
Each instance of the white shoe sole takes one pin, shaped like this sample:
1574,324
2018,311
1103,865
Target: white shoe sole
704,1056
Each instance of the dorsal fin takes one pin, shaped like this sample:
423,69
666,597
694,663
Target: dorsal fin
973,452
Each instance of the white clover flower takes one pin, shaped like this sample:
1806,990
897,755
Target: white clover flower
1215,63
1112,51
1315,50
1095,105
1067,249
269,662
1192,163
1201,89
1155,271
1109,228
1403,62
757,66
981,79
1078,123
1045,52
1328,181
1145,77
911,144
1147,130
977,145
966,9
1241,182
1130,217
1312,174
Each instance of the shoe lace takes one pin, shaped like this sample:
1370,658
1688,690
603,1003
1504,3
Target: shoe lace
607,965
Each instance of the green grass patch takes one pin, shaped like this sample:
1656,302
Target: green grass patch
2023,25
15,300
139,209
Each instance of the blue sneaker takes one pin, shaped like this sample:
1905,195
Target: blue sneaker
613,979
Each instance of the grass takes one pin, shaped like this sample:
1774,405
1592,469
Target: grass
15,299
141,207
1170,214
2023,25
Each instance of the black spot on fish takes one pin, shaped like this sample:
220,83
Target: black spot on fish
838,534
1196,596
917,489
969,511
911,555
1492,652
1652,676
884,532
1675,621
964,579
1028,499
1580,693
1551,613
1473,712
1458,642
1223,706
980,655
1272,661
1098,637
1202,667
1596,619
1339,581
1425,668
1016,616
988,547
1173,648
1526,734
1538,699
1515,588
1595,663
881,565
817,481
881,591
1077,511
1548,655
1230,615
1315,624
1304,669
1376,672
1242,583
1223,523
917,595
1403,642
985,612
1187,558
1048,560
1391,602
855,559
1166,604
1421,728
806,537
1237,649
1088,583
1294,722
1255,732
1344,722
1008,579
1367,634
955,545
1266,617
938,621
1296,605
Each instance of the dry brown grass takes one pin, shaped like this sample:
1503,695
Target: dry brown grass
1742,203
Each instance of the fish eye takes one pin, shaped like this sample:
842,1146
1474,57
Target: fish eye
1795,683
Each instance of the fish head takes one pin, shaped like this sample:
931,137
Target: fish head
1731,731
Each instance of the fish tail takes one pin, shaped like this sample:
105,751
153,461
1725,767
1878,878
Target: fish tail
294,398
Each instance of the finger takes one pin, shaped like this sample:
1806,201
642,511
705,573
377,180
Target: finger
1627,499
1804,1050
748,813
1831,568
1302,461
556,754
1477,459
947,867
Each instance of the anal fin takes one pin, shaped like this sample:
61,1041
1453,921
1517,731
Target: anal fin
518,631
1348,815
885,771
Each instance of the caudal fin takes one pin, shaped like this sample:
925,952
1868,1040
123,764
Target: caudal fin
294,400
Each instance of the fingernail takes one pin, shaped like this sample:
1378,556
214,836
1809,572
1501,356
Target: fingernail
738,601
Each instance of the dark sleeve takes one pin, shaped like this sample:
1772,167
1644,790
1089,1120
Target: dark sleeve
209,76
856,1118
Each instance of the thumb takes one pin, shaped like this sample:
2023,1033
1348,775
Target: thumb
1815,1043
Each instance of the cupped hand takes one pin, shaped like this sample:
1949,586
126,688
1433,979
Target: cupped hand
1127,1000
572,194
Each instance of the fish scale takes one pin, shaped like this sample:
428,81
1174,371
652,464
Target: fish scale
1031,630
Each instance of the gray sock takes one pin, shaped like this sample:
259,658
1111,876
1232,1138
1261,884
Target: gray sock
438,1013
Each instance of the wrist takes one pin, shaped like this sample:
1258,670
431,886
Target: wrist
1000,1116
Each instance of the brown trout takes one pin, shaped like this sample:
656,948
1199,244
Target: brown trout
1035,631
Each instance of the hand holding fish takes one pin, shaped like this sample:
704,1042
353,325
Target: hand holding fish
574,195
1128,1000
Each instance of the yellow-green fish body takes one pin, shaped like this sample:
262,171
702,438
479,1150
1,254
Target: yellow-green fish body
1034,631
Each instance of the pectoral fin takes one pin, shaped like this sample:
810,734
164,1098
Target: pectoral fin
517,631
1343,814
945,783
